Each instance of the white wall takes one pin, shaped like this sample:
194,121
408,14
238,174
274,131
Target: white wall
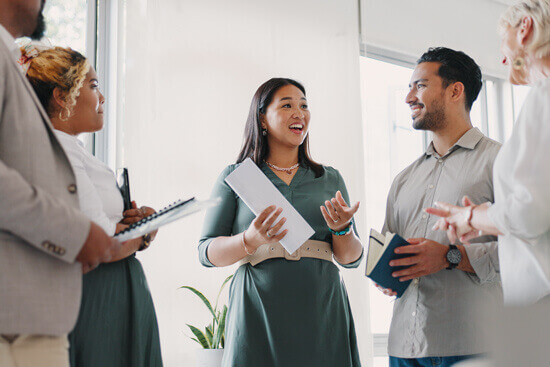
410,27
190,70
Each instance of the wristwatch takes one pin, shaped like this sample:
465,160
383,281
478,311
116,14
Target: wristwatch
454,257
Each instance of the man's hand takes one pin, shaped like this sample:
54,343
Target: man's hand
428,257
386,291
98,248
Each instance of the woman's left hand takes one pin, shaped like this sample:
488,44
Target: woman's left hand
455,220
337,213
136,214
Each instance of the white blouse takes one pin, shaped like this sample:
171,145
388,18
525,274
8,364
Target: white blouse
522,202
97,190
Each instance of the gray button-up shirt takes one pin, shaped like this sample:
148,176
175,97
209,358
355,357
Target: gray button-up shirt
439,314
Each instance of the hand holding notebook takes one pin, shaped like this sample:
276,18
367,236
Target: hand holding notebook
381,251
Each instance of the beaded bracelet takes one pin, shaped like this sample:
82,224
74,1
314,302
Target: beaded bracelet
343,231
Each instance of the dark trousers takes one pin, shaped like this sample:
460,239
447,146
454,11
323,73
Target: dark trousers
428,361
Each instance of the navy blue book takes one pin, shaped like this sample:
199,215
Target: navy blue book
380,253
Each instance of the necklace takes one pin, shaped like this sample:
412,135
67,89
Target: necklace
287,170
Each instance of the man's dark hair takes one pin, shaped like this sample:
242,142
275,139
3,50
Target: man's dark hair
456,66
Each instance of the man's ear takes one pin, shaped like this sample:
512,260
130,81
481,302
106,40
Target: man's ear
457,91
525,30
58,99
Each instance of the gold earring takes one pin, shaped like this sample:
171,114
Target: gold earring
518,63
61,114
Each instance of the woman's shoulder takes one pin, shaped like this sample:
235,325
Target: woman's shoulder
331,173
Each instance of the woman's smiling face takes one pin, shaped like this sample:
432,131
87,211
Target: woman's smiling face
287,117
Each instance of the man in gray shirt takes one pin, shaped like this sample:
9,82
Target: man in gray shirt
436,321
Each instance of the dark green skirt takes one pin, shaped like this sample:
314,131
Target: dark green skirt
289,314
117,325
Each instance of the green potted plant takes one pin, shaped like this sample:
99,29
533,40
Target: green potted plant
212,339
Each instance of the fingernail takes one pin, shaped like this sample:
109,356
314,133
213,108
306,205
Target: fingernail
394,275
397,251
391,263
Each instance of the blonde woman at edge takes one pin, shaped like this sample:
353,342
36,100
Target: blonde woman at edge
117,325
521,213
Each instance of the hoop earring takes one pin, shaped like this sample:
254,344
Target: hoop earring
264,132
61,114
518,63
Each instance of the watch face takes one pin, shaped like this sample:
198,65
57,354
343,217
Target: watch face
454,256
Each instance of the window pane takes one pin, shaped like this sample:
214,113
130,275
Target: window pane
476,114
391,144
66,23
520,93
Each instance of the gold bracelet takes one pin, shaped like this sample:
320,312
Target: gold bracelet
244,244
146,238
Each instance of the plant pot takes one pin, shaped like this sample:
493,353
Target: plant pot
209,357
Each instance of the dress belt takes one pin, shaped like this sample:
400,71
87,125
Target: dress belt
311,248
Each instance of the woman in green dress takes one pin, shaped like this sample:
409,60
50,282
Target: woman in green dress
284,313
117,325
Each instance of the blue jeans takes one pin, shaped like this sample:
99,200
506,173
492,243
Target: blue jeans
428,361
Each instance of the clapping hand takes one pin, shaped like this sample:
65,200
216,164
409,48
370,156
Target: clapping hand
337,213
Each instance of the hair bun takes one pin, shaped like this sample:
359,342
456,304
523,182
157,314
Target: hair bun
29,50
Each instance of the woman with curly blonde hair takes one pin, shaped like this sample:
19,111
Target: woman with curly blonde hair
117,326
521,213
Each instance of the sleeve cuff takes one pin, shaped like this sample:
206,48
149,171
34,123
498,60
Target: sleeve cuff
484,259
354,264
203,253
496,214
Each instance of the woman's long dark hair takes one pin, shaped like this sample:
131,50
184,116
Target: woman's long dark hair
255,144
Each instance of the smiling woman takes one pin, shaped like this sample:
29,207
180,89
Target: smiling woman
302,292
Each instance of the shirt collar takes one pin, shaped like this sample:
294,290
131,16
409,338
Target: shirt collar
468,141
9,41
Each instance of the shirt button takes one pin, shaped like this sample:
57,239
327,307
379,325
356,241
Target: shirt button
414,313
440,160
424,216
72,188
431,187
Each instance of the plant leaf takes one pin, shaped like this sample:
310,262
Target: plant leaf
221,328
209,334
221,289
200,336
202,297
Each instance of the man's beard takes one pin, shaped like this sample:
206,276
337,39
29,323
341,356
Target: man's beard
40,29
433,120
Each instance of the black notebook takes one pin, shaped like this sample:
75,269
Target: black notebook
168,214
380,253
123,182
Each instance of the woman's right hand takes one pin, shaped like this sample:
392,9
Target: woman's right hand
262,229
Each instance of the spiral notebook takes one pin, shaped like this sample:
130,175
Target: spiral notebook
172,212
